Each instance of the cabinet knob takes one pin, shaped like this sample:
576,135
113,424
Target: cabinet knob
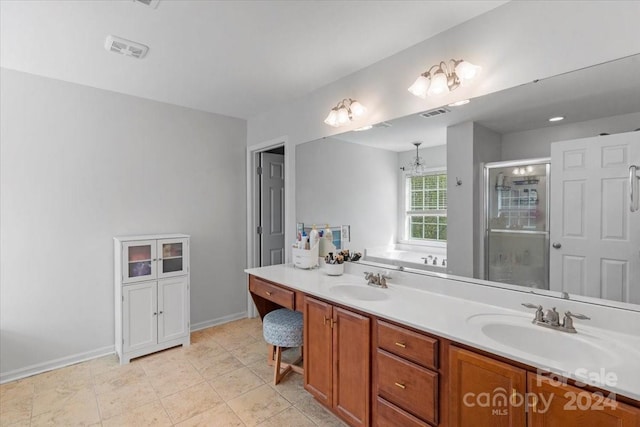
400,385
155,314
556,246
161,312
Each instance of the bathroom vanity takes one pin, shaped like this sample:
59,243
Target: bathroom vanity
437,351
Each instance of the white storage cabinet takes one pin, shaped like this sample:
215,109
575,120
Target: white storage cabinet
152,293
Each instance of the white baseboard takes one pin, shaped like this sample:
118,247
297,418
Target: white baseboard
38,368
218,321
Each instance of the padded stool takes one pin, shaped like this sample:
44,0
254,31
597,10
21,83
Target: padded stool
282,328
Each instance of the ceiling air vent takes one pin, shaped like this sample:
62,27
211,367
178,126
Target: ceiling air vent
435,112
150,3
125,47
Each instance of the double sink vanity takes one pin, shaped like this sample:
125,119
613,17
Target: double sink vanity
436,350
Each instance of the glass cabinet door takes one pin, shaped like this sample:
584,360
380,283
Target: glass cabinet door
139,261
173,258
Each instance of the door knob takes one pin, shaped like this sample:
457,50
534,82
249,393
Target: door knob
556,246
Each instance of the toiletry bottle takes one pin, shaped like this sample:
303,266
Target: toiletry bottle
314,237
328,234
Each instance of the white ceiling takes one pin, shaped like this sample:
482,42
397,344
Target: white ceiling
236,58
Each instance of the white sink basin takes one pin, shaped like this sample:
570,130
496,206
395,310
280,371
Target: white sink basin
517,332
359,292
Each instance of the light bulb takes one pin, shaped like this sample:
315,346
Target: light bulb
357,109
420,86
343,115
466,71
516,171
529,169
438,84
332,118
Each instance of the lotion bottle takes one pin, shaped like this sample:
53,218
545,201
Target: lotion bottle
314,237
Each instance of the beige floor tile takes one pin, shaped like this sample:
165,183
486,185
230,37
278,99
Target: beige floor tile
191,401
151,414
21,389
121,376
158,362
175,378
125,398
318,413
230,341
220,416
252,352
15,409
79,408
202,355
288,417
263,370
291,387
235,383
220,364
258,405
75,377
61,398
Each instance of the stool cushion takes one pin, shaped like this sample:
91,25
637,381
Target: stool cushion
283,328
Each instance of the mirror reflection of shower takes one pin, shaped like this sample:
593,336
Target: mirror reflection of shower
517,222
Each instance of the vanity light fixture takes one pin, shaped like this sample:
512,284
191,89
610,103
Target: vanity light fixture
441,78
556,119
416,167
345,111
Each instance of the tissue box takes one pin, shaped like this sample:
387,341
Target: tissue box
305,258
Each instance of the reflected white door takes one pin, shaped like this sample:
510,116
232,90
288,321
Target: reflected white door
595,238
272,209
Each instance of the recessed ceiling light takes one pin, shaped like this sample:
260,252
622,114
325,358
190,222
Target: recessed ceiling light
367,127
459,103
556,119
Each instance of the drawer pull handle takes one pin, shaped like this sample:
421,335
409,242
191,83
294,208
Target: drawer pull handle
402,386
514,396
268,293
324,322
401,344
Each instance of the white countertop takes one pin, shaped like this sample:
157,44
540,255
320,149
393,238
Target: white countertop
453,317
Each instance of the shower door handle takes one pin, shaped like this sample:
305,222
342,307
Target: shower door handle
633,188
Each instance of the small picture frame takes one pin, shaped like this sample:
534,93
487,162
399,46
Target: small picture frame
345,233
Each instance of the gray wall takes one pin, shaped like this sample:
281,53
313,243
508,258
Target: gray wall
339,183
81,165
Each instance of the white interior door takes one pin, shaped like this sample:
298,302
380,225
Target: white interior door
139,316
272,209
595,238
173,308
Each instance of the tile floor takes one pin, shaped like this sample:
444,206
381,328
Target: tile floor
222,379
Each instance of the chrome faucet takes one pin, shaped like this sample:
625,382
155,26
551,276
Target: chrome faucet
377,280
551,319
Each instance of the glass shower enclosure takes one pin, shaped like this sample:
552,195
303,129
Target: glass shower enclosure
516,211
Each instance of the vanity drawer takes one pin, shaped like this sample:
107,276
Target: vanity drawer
410,345
389,415
407,385
268,291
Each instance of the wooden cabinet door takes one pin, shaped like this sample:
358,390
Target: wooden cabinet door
139,316
485,392
561,405
173,308
318,350
351,362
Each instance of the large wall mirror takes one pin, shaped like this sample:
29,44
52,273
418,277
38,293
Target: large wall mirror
497,168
